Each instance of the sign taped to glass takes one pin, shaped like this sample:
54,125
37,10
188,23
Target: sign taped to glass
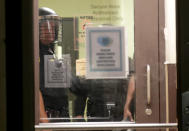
106,52
57,72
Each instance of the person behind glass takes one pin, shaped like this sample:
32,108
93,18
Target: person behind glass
119,93
54,100
128,114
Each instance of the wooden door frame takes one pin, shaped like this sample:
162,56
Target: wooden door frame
36,59
162,61
166,73
147,44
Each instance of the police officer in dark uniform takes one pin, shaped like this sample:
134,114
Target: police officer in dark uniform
55,99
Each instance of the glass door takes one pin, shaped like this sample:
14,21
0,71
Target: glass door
102,64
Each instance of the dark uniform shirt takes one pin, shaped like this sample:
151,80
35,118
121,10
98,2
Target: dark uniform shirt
106,98
55,99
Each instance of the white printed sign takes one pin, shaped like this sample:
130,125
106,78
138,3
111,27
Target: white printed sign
57,72
106,52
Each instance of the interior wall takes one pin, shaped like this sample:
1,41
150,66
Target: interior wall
124,15
170,31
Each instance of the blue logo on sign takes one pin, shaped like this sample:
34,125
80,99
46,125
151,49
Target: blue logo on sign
104,41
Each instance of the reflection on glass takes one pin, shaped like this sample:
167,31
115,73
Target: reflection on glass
67,95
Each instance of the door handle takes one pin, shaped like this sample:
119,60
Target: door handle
148,110
148,85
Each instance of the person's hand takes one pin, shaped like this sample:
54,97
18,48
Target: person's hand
127,114
79,118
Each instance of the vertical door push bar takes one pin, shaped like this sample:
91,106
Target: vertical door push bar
148,110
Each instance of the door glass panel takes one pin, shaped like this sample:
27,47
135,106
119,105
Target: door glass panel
106,61
86,61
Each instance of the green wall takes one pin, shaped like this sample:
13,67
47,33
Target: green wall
115,12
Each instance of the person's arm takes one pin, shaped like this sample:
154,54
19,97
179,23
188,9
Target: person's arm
43,114
130,93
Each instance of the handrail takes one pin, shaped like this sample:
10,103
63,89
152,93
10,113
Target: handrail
102,125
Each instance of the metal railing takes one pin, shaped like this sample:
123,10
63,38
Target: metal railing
102,126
